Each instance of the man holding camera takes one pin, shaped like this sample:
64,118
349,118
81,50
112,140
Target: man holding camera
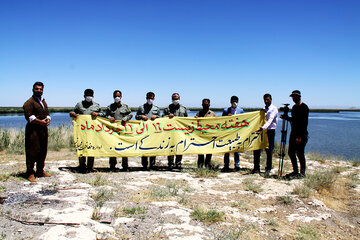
299,134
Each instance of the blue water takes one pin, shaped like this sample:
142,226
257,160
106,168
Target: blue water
329,133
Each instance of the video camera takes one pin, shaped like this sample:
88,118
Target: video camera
285,109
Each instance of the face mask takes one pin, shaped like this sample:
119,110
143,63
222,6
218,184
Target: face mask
234,104
150,101
175,102
117,99
89,98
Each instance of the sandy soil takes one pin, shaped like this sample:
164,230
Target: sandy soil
159,204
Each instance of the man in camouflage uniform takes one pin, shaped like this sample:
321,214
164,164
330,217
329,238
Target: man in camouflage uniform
86,107
117,111
178,110
148,111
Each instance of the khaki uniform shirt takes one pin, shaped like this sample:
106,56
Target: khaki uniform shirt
118,112
82,110
178,110
209,113
147,110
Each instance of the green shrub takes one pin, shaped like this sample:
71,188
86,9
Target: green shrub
320,180
173,188
306,232
302,190
135,210
287,200
353,180
205,173
207,215
241,205
251,186
101,197
159,193
99,181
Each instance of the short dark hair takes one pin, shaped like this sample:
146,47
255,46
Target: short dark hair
89,92
117,91
205,99
175,94
38,84
234,98
150,94
267,95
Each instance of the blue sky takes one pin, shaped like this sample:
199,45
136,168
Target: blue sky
201,49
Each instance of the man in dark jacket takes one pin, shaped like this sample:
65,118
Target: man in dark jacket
36,133
299,134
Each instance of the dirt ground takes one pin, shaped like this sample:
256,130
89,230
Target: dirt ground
162,204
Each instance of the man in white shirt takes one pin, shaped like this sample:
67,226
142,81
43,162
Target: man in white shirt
270,125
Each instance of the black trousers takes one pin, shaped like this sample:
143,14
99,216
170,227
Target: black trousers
144,161
207,160
36,143
113,162
89,165
299,151
269,152
178,159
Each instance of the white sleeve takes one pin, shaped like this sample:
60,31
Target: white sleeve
32,118
272,114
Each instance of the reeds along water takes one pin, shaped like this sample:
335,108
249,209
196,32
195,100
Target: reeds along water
12,140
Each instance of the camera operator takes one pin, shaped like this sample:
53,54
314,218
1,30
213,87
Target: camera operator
299,134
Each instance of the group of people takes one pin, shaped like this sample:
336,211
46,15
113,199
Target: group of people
37,114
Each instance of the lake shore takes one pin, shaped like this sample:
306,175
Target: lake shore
186,204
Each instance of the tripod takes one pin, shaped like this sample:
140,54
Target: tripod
283,138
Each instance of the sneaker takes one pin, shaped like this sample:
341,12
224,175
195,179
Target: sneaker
225,169
32,178
43,174
237,168
255,171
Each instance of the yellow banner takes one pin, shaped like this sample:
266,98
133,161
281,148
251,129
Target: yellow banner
164,136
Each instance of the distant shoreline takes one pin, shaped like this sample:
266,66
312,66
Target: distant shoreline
7,110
